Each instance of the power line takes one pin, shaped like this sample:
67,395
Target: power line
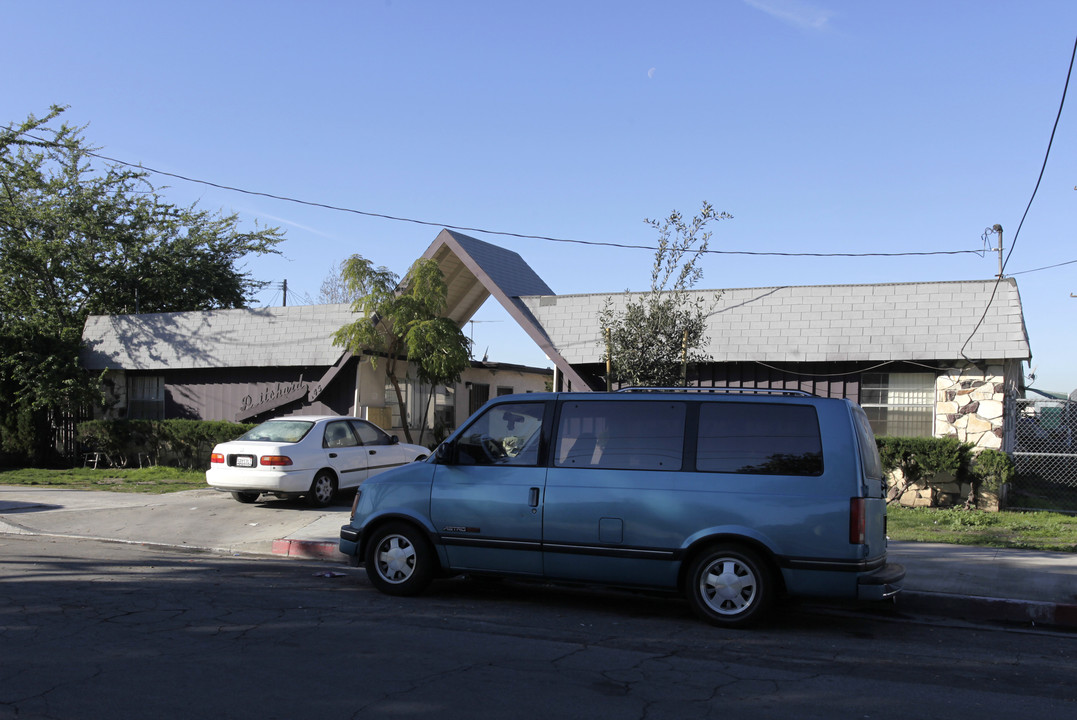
464,228
523,236
1043,169
1045,267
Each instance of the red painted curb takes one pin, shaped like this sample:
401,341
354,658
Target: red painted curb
308,549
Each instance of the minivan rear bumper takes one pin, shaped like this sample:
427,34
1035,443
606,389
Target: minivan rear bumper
882,583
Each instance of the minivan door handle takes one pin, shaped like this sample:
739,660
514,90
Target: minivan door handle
534,497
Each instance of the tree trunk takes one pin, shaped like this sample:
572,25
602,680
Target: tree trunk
400,404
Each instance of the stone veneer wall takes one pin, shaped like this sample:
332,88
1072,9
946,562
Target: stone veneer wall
970,405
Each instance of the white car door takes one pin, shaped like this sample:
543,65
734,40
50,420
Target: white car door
344,453
382,451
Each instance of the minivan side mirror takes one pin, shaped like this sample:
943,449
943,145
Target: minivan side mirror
393,440
444,453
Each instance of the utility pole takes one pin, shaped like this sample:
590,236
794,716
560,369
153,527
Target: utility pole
284,289
998,231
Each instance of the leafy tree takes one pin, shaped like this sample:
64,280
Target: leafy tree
653,335
76,240
404,321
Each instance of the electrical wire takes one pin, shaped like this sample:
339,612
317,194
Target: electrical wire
844,374
522,236
1045,267
1013,243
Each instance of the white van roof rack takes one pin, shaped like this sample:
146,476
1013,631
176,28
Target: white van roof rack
724,390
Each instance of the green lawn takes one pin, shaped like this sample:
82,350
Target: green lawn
1025,530
140,480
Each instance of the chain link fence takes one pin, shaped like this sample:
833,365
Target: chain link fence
1045,454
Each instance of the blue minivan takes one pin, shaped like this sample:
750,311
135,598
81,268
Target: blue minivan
731,497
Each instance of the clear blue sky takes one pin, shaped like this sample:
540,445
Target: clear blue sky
821,126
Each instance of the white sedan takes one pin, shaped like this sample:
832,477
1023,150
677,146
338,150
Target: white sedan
308,455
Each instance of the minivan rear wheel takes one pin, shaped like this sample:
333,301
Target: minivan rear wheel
729,585
399,559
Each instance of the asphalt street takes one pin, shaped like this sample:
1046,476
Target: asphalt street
94,630
970,583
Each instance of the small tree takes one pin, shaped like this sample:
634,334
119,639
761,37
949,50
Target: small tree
334,291
652,338
401,322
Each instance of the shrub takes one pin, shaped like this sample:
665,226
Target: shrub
184,443
989,470
921,457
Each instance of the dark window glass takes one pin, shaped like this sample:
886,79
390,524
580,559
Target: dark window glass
759,438
621,435
869,451
503,435
339,435
369,434
480,393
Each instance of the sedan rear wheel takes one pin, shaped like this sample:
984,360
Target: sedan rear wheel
322,490
246,497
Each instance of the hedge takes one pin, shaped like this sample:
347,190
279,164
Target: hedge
921,459
182,443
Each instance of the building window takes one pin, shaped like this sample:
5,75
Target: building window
501,390
146,397
479,394
899,404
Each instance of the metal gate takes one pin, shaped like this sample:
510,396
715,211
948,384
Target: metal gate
1045,453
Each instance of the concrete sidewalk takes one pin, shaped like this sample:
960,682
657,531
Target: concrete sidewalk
970,583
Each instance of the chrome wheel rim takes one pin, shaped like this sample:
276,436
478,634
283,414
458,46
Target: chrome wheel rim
728,586
323,489
395,559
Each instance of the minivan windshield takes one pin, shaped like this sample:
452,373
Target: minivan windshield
283,431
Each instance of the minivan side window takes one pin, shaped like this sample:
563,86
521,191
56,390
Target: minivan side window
869,450
625,435
503,435
759,438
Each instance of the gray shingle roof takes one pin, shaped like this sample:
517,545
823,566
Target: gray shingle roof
824,323
255,337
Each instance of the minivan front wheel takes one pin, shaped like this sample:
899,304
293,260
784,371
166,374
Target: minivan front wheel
399,560
729,585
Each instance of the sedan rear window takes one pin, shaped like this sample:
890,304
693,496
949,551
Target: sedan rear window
283,431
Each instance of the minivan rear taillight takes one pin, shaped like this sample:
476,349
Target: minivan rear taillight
858,512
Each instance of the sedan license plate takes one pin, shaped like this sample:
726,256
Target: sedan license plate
244,461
